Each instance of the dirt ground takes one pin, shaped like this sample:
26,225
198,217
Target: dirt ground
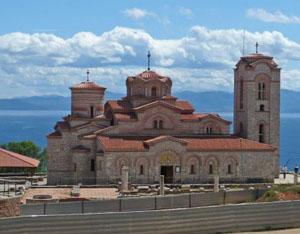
60,193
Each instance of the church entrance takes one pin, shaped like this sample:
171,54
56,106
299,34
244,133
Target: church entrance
167,171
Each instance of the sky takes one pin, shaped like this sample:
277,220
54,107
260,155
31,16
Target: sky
47,46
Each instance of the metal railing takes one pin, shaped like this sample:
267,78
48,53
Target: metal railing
8,188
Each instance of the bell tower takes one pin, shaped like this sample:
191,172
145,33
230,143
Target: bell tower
257,100
87,99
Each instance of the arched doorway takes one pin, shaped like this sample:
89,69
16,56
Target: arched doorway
168,163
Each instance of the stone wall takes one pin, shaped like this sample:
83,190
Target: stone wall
10,207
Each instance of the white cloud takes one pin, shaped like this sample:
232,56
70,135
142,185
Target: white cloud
276,17
203,60
186,12
136,13
139,14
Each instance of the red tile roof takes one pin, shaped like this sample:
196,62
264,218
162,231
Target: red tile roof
11,159
128,144
185,105
189,117
216,116
125,116
169,96
201,143
257,55
149,76
88,85
226,144
164,138
199,116
119,105
63,125
157,103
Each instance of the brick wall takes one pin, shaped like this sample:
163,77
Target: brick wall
10,207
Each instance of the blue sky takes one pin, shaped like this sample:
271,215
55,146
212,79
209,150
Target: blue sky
46,46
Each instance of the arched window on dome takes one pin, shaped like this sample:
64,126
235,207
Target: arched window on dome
160,125
154,92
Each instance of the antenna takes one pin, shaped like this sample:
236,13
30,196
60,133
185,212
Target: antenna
244,43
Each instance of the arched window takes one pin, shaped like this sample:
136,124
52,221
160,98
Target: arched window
121,169
153,92
209,129
141,169
261,91
229,169
92,164
192,169
261,133
211,169
155,124
160,126
241,93
262,108
92,111
75,166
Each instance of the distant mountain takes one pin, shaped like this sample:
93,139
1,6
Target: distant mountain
214,101
49,102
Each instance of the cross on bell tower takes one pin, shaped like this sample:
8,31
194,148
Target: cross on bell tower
87,75
256,45
148,55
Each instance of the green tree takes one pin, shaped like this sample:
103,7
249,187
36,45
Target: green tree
27,148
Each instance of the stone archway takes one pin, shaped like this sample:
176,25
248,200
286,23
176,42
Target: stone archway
166,163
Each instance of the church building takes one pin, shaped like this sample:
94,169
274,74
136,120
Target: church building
153,133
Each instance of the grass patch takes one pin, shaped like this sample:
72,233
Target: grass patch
272,193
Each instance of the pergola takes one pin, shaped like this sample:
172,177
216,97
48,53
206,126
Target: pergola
10,159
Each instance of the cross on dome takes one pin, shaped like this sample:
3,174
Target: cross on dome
87,75
148,55
256,45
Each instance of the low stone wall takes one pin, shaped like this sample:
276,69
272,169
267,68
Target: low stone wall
10,207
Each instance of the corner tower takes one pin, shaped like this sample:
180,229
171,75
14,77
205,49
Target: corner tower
87,99
257,100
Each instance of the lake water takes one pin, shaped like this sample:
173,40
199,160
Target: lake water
34,125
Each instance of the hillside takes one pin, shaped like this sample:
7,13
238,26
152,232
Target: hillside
214,101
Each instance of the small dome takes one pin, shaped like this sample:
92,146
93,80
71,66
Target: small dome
87,85
256,56
149,76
